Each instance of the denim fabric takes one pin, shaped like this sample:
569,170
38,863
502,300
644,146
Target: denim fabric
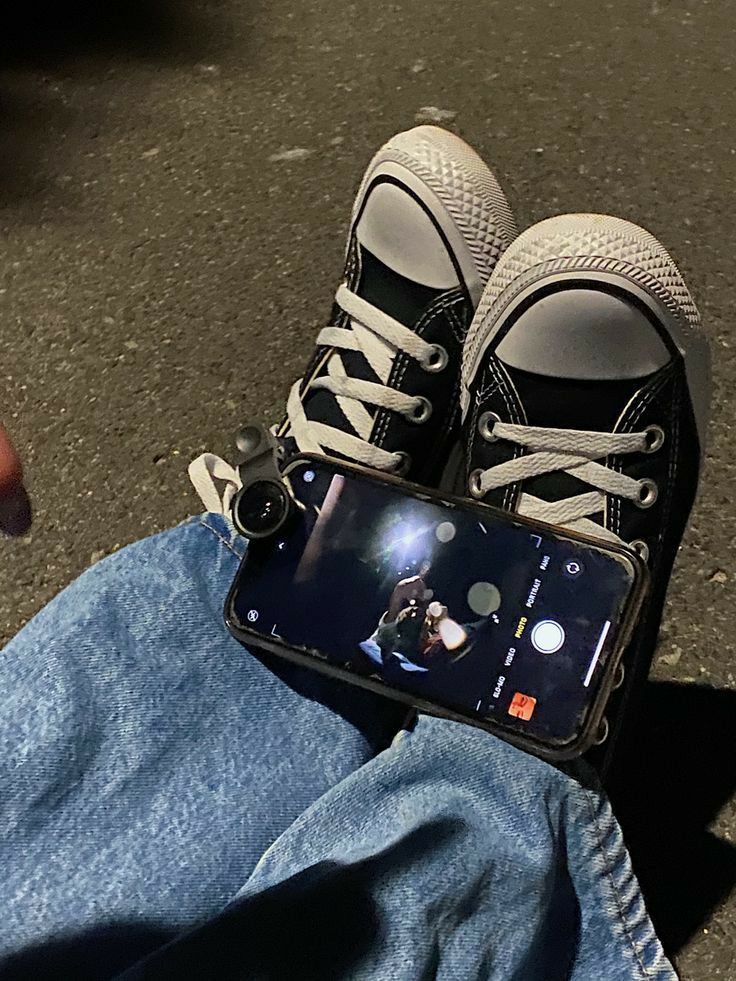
153,771
451,855
146,759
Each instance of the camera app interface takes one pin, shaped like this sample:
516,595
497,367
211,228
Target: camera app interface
453,606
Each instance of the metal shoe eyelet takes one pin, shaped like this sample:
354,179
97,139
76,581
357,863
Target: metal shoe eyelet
474,486
401,468
641,548
648,493
620,675
602,732
437,359
421,412
485,426
654,438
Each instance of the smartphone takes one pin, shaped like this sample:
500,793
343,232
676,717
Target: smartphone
450,605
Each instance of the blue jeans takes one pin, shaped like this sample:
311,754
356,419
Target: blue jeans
173,806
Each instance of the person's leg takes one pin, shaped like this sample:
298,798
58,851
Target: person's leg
147,760
450,855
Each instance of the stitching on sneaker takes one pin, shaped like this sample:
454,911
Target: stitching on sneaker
672,469
511,491
395,380
458,332
617,463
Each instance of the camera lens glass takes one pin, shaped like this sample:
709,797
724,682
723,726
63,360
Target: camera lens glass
261,508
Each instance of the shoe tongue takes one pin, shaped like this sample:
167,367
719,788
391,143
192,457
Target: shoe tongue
399,297
571,403
564,403
394,295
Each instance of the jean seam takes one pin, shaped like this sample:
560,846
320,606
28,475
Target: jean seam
216,533
608,870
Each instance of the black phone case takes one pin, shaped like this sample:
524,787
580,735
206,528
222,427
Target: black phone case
310,658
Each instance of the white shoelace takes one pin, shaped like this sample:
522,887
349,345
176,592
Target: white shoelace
576,453
204,471
378,338
573,451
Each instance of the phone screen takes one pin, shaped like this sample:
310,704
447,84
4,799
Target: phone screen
454,605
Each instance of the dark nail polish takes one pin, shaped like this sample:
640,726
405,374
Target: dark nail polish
15,512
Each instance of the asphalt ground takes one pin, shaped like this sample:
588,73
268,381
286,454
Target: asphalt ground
175,181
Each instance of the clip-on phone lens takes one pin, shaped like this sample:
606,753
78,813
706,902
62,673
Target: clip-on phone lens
261,508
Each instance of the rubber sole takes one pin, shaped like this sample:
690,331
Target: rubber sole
460,191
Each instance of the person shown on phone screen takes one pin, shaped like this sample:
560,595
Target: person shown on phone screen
412,589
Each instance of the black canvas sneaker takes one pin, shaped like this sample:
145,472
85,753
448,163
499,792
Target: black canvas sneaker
382,389
586,389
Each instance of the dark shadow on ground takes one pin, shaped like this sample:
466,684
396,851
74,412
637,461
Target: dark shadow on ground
53,54
48,35
679,776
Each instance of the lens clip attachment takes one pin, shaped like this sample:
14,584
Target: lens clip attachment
263,503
